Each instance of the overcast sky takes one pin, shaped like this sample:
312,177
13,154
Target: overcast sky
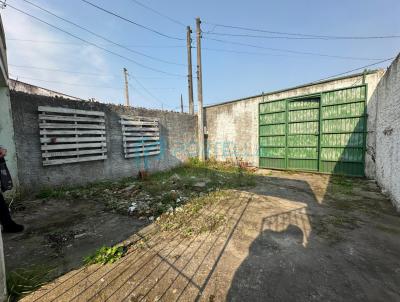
230,71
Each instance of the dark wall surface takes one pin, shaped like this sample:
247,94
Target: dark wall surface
177,136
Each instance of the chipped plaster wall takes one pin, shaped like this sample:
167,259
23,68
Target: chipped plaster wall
388,132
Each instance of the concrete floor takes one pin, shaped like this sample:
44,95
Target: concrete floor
293,237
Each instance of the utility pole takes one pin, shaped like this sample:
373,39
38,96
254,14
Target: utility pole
190,74
181,103
126,87
200,117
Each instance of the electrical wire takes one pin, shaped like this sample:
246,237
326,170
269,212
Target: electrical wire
77,72
102,37
136,91
352,70
108,44
159,13
297,38
63,83
292,51
63,71
93,44
146,90
132,22
324,37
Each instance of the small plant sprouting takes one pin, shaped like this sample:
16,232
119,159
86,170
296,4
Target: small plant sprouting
106,255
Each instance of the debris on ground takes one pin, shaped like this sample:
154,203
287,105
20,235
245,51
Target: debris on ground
153,194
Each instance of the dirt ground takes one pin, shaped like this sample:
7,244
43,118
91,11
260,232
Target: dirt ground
59,233
292,237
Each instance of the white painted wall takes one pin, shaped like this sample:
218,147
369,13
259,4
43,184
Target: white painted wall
388,132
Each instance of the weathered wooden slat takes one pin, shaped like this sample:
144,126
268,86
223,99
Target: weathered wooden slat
127,145
48,117
143,138
141,154
73,146
141,149
65,132
76,132
72,153
73,160
70,126
138,123
71,139
132,129
139,133
139,118
68,110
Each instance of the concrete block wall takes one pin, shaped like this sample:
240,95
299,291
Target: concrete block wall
387,154
232,126
178,136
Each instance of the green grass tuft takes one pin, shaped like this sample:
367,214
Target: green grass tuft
23,281
106,255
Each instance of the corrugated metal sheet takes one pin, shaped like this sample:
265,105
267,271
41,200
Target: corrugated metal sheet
323,132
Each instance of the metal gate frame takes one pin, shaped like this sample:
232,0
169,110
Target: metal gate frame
342,167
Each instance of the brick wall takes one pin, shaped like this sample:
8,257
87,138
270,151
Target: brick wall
177,135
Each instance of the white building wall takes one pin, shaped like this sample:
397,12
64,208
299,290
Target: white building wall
388,132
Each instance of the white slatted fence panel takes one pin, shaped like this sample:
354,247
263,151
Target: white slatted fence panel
71,135
141,136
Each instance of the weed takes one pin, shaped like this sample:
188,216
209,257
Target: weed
190,220
106,255
161,191
343,184
23,281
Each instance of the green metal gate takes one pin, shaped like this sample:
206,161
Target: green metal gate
325,132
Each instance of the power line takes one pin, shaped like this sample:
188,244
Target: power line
63,71
298,38
131,21
146,90
93,44
76,72
159,13
77,43
102,37
135,91
64,83
352,70
291,51
299,35
83,73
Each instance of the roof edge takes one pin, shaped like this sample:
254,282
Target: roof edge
296,87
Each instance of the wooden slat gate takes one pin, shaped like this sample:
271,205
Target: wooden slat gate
141,136
71,135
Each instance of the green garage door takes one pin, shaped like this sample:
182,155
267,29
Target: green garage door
324,132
